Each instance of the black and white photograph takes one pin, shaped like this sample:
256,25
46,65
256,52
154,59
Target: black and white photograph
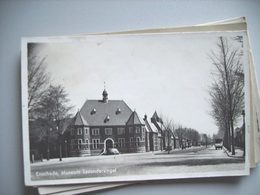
110,108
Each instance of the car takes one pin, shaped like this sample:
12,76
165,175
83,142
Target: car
111,151
218,144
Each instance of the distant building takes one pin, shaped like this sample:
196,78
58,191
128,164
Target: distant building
152,135
103,124
160,138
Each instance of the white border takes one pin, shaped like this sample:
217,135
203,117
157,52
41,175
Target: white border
26,152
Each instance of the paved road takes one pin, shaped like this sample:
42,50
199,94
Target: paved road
191,160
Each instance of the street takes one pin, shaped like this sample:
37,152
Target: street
194,159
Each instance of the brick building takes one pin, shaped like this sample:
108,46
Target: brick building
102,124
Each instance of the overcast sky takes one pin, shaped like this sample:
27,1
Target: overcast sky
169,73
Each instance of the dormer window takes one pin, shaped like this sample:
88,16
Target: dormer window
93,111
107,119
118,111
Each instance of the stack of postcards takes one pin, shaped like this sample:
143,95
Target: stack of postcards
110,109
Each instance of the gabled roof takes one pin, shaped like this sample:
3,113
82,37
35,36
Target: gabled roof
150,126
155,116
79,120
134,119
100,113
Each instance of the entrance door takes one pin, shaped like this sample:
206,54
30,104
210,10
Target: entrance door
109,144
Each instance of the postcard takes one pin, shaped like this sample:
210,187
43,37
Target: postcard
134,107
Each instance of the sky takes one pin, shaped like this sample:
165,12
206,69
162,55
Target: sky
169,73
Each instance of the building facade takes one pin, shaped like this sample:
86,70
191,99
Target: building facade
103,124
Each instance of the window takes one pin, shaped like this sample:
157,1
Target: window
95,143
131,130
79,131
118,111
86,129
137,143
121,142
137,130
120,131
131,141
79,143
108,131
72,132
143,139
93,111
86,143
143,129
95,131
73,144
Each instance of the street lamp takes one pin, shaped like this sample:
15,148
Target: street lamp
59,138
48,143
49,122
243,131
66,148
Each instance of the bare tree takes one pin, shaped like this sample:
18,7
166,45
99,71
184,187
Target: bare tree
180,134
193,136
38,81
226,92
169,128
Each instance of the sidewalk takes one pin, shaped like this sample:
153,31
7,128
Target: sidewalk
239,153
89,158
57,161
186,150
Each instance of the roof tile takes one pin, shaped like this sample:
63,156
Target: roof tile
104,109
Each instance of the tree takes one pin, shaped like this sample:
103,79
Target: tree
193,136
226,91
54,109
169,128
38,81
180,132
55,103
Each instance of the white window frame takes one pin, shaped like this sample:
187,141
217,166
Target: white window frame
86,130
143,129
120,130
108,131
137,130
87,143
137,141
79,131
74,143
95,143
95,131
131,130
121,142
131,140
79,143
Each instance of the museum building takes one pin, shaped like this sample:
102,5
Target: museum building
103,124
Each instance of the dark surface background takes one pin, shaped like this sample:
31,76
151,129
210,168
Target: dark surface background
64,17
